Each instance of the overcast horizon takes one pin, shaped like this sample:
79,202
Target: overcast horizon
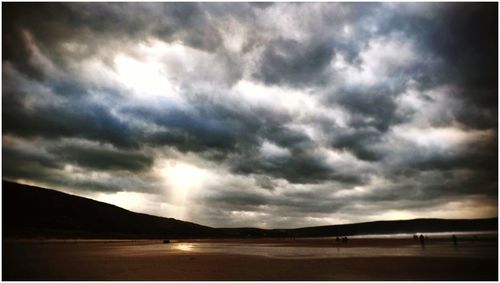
271,115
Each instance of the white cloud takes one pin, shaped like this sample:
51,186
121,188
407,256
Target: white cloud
380,61
271,150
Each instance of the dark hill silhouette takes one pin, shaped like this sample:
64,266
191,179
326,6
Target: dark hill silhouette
37,212
372,228
399,226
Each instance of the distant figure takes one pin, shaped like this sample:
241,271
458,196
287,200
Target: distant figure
422,241
344,240
415,237
337,239
455,239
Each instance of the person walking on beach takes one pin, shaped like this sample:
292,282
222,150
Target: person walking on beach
455,239
422,241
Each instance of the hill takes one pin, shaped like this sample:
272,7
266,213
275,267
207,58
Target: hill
399,226
37,212
372,228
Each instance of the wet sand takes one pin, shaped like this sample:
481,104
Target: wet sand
207,260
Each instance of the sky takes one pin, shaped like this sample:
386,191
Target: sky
271,115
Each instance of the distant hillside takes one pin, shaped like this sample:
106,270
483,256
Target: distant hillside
36,212
399,226
372,228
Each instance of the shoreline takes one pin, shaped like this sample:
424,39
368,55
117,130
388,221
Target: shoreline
365,241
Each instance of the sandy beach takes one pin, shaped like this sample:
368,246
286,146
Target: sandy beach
261,259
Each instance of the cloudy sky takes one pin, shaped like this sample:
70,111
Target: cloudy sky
264,115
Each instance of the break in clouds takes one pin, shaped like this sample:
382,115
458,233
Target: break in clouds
256,114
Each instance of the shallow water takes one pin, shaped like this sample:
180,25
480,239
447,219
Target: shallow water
468,250
467,234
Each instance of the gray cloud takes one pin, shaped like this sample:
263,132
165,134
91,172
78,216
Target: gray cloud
105,159
75,119
295,63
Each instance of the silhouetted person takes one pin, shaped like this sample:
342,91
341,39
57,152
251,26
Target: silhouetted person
344,240
415,237
422,241
455,239
337,239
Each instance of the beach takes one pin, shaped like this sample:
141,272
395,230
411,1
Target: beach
250,259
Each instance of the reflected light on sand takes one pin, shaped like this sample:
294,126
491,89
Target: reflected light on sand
183,247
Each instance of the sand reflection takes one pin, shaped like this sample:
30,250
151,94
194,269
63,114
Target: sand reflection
186,247
400,248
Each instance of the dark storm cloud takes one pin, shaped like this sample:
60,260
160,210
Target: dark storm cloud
478,117
461,36
193,131
265,182
236,199
67,164
388,105
434,184
374,109
467,47
358,142
20,163
295,63
301,168
104,159
12,154
234,135
95,25
74,119
238,136
279,210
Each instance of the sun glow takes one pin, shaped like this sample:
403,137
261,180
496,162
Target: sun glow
144,78
182,182
129,200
